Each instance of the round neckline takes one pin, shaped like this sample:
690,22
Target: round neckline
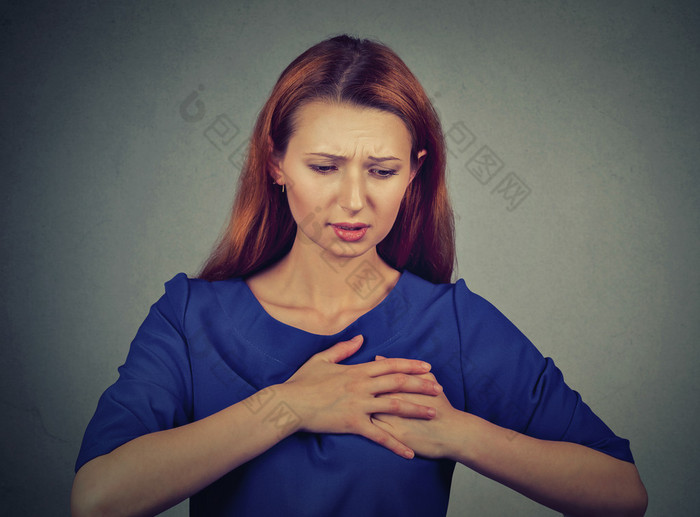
355,323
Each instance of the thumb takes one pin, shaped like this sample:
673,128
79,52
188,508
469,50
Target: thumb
342,350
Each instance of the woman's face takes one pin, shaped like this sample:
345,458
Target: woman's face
346,166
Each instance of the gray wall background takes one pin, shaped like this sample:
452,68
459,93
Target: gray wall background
108,192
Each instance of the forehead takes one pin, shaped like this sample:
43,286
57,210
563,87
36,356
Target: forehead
338,126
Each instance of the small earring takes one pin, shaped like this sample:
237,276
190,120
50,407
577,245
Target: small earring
282,188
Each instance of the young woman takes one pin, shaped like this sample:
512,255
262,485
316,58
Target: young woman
322,363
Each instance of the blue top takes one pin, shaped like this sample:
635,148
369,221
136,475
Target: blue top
207,345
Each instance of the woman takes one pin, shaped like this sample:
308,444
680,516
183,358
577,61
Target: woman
291,376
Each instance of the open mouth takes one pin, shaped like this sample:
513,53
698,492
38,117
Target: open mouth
358,226
349,232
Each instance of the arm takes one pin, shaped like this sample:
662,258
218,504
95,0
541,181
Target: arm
567,477
155,471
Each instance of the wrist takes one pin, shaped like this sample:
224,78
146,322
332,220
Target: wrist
476,438
463,438
274,405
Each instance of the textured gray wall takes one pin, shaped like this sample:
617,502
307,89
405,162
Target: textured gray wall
589,246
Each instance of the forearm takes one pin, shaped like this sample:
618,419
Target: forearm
156,471
566,477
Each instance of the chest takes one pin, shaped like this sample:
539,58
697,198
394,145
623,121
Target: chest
310,320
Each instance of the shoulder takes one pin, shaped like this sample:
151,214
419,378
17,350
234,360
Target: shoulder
450,301
182,284
456,293
191,296
479,321
418,285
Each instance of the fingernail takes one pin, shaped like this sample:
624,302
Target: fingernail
437,388
431,411
356,338
408,453
425,366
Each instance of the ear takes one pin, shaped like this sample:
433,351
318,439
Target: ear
421,156
274,163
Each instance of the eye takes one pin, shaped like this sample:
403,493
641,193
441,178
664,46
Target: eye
321,169
380,173
384,173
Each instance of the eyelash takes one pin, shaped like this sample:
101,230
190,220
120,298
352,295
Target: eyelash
386,173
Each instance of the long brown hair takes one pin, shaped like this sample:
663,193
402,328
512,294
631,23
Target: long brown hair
358,72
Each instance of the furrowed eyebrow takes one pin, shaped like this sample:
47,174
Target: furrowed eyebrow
343,158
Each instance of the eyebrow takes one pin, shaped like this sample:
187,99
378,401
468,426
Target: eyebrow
343,158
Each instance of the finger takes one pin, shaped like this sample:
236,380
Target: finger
341,350
427,375
385,439
404,383
383,422
403,408
421,375
396,365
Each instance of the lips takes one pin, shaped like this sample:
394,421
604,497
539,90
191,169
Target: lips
350,232
349,226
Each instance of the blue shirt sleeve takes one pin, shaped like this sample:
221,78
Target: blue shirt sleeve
508,382
154,388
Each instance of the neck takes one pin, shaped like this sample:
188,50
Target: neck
311,276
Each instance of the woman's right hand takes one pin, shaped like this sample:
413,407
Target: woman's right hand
335,398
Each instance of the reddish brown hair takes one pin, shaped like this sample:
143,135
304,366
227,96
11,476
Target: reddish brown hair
362,73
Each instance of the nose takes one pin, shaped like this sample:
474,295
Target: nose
352,191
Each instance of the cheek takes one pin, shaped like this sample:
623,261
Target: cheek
390,203
305,201
299,207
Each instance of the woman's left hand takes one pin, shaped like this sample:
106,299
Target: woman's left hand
428,438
